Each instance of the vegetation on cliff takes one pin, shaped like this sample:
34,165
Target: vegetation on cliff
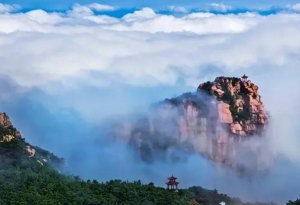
16,153
224,84
296,202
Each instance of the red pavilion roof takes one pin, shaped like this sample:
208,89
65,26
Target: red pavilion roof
172,178
244,76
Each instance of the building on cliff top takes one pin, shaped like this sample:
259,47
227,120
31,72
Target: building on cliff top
244,78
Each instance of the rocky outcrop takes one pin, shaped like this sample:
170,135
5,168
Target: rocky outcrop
7,129
4,120
14,146
30,151
240,104
7,138
213,121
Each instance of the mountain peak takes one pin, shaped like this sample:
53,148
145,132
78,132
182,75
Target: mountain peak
215,121
240,106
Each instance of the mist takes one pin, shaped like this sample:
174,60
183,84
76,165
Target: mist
74,129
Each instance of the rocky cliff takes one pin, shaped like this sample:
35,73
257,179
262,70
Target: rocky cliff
239,104
15,151
215,121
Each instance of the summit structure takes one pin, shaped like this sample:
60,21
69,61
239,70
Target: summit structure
238,104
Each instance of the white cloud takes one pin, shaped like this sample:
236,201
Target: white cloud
220,7
43,17
55,46
178,9
140,15
294,7
101,7
6,8
79,10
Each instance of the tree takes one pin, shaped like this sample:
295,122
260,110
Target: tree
296,202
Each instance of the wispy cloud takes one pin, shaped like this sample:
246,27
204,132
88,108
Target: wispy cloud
294,7
178,9
88,10
219,7
101,7
6,8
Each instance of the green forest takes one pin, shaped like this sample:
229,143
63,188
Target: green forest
38,180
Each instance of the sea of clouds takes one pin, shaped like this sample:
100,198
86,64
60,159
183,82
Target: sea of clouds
62,73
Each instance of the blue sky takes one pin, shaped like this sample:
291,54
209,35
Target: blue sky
58,4
122,8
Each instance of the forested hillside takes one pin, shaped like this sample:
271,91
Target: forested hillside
25,180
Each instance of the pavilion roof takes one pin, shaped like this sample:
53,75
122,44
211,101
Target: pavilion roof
244,76
172,178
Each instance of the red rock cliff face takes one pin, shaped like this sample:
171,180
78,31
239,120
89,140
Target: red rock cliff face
212,121
241,114
239,104
5,122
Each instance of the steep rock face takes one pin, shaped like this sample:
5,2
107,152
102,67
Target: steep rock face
4,120
7,131
240,105
214,121
14,150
